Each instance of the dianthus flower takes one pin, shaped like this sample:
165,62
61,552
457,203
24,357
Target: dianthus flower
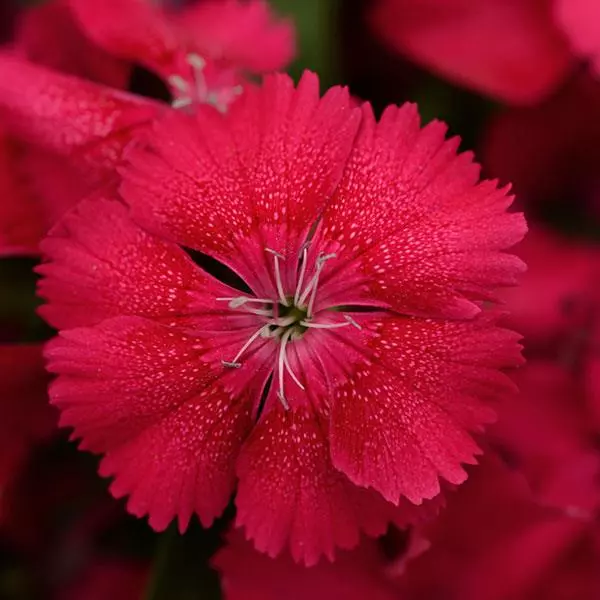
495,541
356,574
338,372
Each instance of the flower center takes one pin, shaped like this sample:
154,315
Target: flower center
288,317
215,89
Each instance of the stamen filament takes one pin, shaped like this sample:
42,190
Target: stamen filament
301,276
323,325
241,300
281,364
292,374
279,283
234,363
198,63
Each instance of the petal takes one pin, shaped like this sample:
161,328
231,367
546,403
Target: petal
87,122
134,30
355,575
242,33
520,55
49,35
263,172
21,221
140,393
409,217
88,280
290,496
580,20
546,435
402,420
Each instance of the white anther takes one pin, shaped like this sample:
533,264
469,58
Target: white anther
234,362
181,103
352,321
278,282
196,61
231,364
283,401
239,301
179,83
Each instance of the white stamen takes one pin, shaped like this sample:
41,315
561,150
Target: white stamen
179,83
312,285
320,263
198,63
311,325
352,321
281,364
292,374
241,300
301,276
181,103
278,282
234,363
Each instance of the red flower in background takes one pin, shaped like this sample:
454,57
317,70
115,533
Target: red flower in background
517,51
549,151
496,542
70,126
355,575
355,353
580,20
202,52
557,308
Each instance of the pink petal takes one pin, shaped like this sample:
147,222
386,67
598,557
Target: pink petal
410,216
547,435
520,55
402,420
87,122
355,575
244,34
21,220
311,507
580,20
140,393
211,183
134,30
88,280
49,35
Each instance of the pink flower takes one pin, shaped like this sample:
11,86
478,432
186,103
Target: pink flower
580,20
547,434
337,362
495,542
557,308
202,52
517,51
508,49
355,575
